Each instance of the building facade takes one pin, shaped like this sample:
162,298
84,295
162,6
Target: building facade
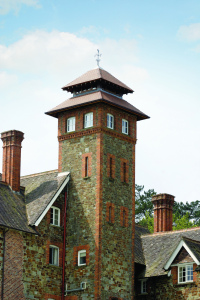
70,234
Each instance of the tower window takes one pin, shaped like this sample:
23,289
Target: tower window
71,124
110,214
81,257
54,255
110,121
88,120
124,216
124,126
86,166
111,165
124,171
55,216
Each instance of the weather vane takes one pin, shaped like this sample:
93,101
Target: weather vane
98,57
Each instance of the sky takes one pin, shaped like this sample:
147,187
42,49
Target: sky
152,46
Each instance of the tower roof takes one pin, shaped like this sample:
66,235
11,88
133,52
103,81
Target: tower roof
98,75
94,97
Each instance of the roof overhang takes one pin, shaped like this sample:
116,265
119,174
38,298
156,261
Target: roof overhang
176,251
65,182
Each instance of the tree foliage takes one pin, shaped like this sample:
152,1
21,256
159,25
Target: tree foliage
143,202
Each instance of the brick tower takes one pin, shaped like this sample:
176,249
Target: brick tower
97,136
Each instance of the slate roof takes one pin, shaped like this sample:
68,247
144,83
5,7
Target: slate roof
13,210
158,247
96,97
139,256
94,75
194,247
39,191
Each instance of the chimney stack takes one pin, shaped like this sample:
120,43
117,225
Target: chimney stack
163,210
12,158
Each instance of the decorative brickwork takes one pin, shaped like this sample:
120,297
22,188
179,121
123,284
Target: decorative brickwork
124,216
110,165
124,170
110,212
75,254
87,164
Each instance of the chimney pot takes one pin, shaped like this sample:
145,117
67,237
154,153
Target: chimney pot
12,158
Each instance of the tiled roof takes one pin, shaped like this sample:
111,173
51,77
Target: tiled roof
39,191
139,256
13,210
97,74
157,248
95,97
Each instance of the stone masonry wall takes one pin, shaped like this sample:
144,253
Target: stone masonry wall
162,288
39,277
116,236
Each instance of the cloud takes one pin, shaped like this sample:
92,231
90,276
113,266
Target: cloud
189,33
59,54
43,52
8,5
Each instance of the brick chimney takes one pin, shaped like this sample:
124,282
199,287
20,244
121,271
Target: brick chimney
12,158
163,210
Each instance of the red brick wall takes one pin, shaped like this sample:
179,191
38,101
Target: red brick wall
13,274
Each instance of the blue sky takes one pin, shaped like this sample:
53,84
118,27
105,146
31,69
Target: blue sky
152,46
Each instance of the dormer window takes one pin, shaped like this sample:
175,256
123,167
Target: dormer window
110,121
88,122
55,216
124,126
71,124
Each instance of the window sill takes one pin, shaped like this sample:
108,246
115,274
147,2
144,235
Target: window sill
111,179
125,183
54,266
185,283
56,226
86,178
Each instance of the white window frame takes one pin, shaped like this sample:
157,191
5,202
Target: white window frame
124,126
143,286
186,266
79,256
71,123
88,120
110,121
55,248
55,209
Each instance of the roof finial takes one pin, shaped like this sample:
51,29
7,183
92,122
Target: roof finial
98,57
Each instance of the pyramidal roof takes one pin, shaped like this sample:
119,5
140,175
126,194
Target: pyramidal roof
97,75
